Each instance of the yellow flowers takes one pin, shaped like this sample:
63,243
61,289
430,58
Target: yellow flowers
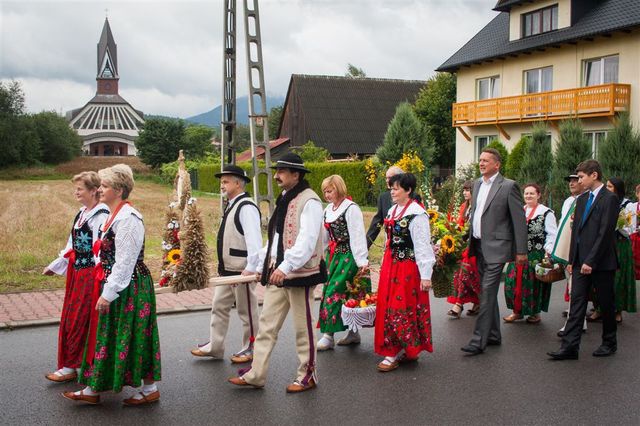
448,244
433,215
370,170
174,256
410,163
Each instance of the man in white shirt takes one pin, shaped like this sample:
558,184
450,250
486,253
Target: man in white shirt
238,245
292,265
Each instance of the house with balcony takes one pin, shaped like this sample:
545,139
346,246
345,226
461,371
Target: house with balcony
546,60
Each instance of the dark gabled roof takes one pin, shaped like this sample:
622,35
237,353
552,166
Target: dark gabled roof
505,5
349,115
107,42
493,40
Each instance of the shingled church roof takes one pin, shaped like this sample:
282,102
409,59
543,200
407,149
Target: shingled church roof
347,115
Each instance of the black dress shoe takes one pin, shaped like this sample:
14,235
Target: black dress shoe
494,342
561,355
605,351
562,333
471,350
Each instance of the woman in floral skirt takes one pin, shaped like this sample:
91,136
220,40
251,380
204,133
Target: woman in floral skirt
403,313
77,262
123,347
524,293
346,259
466,280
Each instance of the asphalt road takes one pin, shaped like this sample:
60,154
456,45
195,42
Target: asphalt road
512,384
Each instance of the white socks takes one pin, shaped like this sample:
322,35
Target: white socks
145,390
64,371
86,391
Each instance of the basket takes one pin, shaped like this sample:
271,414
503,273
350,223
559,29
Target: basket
548,272
357,318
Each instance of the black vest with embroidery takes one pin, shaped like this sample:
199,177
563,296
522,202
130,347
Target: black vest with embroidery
339,232
399,238
82,242
108,256
536,232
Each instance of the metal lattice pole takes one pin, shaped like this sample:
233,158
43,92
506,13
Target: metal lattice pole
228,120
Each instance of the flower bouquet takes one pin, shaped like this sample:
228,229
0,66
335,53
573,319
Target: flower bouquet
447,239
359,310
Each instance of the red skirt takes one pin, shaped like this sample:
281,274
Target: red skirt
76,312
635,247
466,281
403,313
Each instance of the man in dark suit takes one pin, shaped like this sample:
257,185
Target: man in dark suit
384,204
498,235
592,261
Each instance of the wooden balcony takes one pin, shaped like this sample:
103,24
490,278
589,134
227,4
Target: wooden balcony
593,101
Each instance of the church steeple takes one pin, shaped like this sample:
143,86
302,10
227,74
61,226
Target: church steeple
107,77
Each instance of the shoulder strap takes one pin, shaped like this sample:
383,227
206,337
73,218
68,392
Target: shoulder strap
236,218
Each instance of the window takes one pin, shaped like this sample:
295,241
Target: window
488,88
596,138
600,71
540,21
482,142
538,80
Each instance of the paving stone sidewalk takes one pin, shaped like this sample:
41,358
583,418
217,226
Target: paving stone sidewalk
43,307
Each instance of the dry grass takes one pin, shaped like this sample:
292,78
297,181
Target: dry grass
75,166
35,219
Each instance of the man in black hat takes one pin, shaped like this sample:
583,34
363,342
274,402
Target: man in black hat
238,245
292,266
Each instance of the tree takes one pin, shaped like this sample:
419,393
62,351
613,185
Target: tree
572,148
514,165
405,133
496,144
619,153
197,141
537,159
433,108
19,143
58,142
310,153
275,115
160,140
355,72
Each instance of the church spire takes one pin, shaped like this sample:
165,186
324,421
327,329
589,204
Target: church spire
107,77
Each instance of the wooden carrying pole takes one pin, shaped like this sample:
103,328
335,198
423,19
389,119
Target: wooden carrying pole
215,282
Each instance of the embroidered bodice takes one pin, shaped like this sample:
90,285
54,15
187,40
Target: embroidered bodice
339,233
108,255
399,238
82,242
536,232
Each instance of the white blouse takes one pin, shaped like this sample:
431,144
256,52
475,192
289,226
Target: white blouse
302,250
421,237
250,221
129,238
355,225
59,266
631,209
550,225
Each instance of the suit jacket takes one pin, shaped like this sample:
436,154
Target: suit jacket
503,224
384,204
594,241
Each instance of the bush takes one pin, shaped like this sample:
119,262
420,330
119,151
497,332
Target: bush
310,153
499,146
58,142
537,160
619,154
514,165
405,133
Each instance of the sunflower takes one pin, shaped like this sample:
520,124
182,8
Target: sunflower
433,215
448,244
173,256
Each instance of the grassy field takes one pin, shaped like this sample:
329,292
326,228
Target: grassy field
36,218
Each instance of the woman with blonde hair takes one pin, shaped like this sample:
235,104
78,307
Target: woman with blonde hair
346,256
123,347
77,262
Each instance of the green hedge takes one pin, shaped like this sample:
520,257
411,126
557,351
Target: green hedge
353,174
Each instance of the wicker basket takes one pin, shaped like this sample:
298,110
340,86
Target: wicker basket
548,272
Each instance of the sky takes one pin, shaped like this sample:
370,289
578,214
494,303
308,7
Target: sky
170,52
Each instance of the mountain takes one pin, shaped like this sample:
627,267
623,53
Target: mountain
212,118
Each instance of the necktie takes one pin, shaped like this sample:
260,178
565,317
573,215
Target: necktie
587,207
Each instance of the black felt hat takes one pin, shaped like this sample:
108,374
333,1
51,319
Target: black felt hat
568,178
231,169
291,161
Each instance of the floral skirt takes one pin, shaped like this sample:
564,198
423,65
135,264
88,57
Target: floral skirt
75,318
535,294
342,270
403,313
127,346
625,281
466,281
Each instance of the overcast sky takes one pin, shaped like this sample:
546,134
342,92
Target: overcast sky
170,58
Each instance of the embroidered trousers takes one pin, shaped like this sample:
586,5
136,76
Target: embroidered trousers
277,303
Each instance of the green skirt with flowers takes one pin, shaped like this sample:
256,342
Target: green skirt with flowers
535,294
127,346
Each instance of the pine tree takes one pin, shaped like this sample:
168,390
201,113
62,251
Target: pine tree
514,165
405,134
537,159
619,153
499,146
193,270
572,148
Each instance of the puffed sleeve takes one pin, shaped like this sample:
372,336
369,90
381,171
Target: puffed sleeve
357,236
128,240
551,231
421,236
59,266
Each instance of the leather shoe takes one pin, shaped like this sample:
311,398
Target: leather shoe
239,381
494,342
200,354
471,350
62,378
146,399
297,387
561,355
241,358
605,351
89,399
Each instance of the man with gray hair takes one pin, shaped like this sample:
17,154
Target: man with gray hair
384,204
238,246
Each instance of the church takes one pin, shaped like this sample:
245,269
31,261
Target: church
107,124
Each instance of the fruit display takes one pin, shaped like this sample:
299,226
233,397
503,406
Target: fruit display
368,300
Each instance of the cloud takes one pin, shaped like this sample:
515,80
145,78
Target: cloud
170,58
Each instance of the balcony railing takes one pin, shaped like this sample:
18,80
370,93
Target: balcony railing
593,101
